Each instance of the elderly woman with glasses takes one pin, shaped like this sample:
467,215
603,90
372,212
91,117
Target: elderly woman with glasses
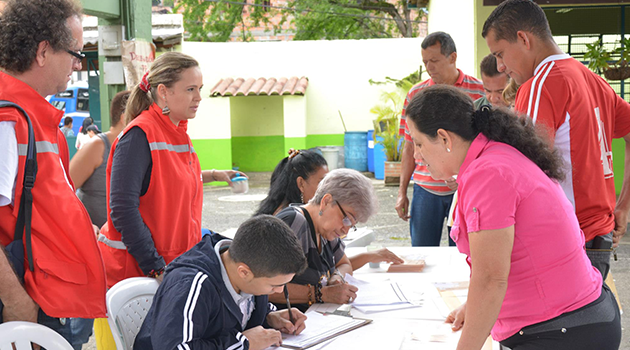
343,198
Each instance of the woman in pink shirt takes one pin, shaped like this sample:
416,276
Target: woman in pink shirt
532,285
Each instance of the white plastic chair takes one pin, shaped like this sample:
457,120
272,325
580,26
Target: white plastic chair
128,303
22,334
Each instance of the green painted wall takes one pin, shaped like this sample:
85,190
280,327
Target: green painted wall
324,140
619,154
257,116
257,126
589,20
214,154
257,153
481,48
100,8
295,143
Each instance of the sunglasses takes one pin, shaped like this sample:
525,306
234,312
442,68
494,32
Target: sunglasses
346,220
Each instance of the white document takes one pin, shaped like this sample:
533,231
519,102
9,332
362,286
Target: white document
431,335
379,293
405,300
318,328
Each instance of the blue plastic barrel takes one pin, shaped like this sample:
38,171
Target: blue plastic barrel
370,151
355,150
379,160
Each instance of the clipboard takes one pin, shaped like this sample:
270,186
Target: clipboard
325,327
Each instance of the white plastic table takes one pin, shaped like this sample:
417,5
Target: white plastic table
408,329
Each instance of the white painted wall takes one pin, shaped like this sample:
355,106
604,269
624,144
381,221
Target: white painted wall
295,113
338,73
457,18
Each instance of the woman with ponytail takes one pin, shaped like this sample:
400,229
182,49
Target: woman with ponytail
294,180
154,179
532,285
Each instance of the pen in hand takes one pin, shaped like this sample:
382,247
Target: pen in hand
340,276
286,296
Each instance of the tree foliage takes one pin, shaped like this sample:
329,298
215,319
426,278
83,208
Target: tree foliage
352,19
215,20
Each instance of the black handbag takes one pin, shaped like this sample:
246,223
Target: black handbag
14,251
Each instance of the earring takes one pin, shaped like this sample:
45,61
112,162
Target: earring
302,197
321,213
448,150
165,110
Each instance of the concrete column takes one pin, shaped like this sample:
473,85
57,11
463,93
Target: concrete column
135,16
294,122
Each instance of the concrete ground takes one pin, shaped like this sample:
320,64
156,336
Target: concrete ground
222,211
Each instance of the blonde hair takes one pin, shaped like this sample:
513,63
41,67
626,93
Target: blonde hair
166,70
509,93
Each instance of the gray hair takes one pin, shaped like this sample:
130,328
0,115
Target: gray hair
349,187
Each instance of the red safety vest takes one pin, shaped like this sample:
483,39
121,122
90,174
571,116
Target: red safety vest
171,207
68,278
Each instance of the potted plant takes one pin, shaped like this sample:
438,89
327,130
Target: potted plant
601,60
386,130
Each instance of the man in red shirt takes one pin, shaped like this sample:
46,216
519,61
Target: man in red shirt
580,112
64,278
431,199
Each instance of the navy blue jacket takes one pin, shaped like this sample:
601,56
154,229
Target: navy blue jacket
193,309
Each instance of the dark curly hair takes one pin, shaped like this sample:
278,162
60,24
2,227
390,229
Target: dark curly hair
446,107
26,23
283,188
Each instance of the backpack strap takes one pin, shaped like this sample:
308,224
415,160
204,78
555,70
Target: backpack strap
23,223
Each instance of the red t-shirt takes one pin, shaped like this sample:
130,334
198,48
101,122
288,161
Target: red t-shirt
421,176
582,114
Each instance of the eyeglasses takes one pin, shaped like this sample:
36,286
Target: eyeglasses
78,56
346,220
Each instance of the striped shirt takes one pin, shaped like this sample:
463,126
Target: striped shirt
581,114
421,176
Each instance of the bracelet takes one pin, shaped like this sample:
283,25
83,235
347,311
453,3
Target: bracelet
318,293
310,301
212,174
156,273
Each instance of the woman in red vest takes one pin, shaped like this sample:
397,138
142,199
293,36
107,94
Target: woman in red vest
153,174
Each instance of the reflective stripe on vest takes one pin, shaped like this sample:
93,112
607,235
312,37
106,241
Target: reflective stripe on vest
163,146
111,243
42,147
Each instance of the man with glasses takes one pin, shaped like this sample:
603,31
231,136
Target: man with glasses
64,276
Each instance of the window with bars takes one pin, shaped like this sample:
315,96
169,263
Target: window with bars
575,45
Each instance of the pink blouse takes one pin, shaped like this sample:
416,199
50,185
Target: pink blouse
550,273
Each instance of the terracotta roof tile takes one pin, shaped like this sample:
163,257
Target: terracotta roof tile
261,86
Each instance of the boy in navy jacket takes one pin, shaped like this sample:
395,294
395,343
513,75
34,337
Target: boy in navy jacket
214,296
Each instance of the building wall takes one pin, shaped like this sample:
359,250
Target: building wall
457,18
257,132
481,48
338,73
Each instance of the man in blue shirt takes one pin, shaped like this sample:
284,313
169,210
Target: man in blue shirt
214,296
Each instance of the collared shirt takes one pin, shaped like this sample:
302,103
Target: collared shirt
582,114
480,102
550,273
421,176
244,301
67,132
